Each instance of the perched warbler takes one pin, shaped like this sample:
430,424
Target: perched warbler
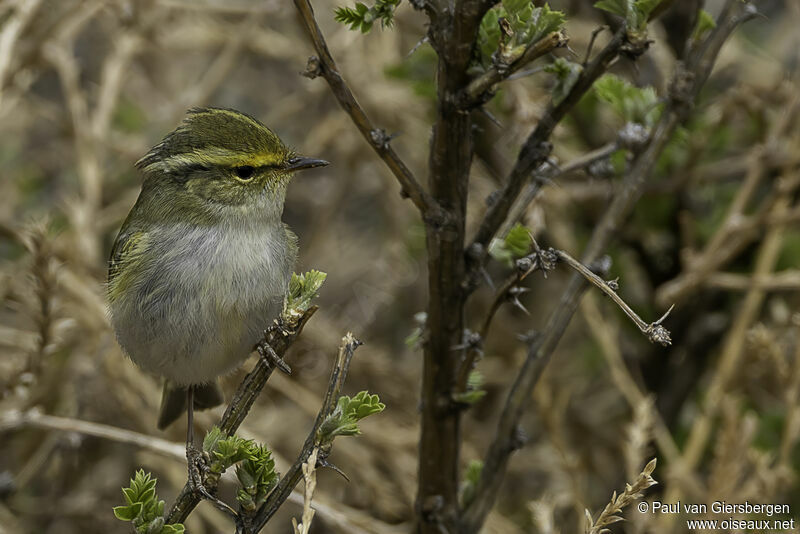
202,262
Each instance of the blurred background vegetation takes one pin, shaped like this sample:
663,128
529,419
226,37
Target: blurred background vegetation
87,86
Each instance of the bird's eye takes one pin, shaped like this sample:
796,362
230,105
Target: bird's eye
245,172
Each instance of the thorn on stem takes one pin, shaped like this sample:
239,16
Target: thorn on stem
380,138
325,463
472,341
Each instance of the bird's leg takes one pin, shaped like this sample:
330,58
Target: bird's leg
197,462
194,456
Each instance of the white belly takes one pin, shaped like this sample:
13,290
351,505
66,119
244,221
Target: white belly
204,300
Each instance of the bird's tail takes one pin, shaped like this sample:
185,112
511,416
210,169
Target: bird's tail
173,400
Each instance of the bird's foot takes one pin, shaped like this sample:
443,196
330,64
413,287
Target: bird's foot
198,469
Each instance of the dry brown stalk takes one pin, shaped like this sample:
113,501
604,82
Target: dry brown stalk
310,479
633,492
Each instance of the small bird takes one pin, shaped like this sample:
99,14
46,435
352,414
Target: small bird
202,262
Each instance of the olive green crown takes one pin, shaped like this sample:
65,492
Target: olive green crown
216,137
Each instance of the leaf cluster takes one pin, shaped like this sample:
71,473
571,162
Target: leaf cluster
303,288
143,508
257,476
631,103
566,73
705,23
362,17
471,478
255,469
343,421
635,12
509,28
226,451
515,244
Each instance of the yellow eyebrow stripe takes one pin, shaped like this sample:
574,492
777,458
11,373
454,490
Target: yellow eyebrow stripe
215,156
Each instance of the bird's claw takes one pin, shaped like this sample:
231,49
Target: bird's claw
198,467
272,358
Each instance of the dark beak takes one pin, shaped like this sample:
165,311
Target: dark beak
299,163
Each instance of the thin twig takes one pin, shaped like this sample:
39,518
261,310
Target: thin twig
533,189
474,93
654,331
538,260
535,151
16,420
781,281
13,28
32,418
295,473
324,65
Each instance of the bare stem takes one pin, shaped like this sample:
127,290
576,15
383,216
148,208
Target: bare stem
324,65
295,473
654,331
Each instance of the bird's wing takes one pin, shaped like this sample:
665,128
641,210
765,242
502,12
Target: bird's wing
127,244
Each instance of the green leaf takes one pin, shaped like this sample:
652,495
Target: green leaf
130,495
633,104
257,476
144,507
128,513
545,21
615,7
303,288
705,23
213,437
413,340
489,34
635,12
471,478
469,397
645,7
528,24
516,244
362,17
344,419
567,73
175,528
231,450
473,392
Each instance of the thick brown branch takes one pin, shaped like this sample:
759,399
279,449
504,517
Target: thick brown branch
324,65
